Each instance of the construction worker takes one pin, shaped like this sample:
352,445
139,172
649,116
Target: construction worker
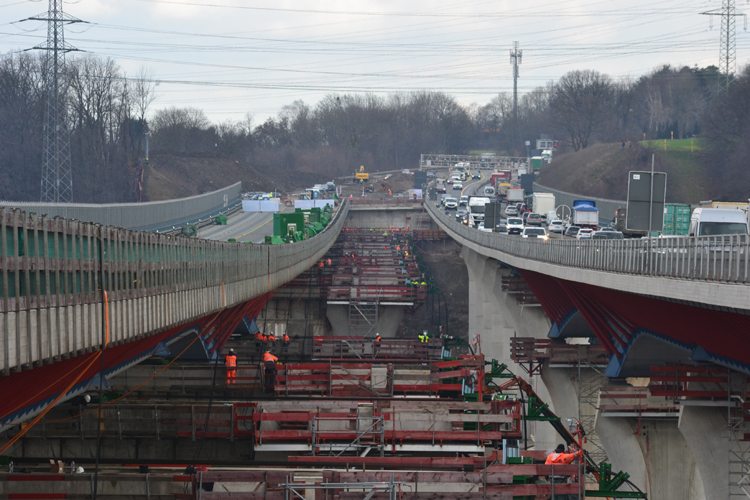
272,339
424,338
286,343
269,358
559,457
259,338
328,262
320,264
376,344
231,365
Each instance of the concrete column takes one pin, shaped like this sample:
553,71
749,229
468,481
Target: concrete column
389,319
705,432
623,451
497,317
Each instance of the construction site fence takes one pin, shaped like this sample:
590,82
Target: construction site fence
698,258
55,272
149,216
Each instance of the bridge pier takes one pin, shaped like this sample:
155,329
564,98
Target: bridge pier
496,317
389,319
705,432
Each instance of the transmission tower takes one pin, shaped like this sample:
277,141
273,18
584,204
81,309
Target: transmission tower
515,60
728,50
57,178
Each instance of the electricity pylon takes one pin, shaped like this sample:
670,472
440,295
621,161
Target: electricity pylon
57,177
728,50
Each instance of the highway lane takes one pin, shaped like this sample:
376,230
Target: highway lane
243,226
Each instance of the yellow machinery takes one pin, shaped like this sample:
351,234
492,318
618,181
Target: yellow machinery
362,176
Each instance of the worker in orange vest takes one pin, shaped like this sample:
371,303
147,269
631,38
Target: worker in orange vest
286,343
231,365
272,339
259,338
328,262
559,457
376,344
269,358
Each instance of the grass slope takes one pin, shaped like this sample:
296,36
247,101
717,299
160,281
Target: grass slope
601,170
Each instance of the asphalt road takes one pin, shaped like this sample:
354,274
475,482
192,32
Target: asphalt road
243,226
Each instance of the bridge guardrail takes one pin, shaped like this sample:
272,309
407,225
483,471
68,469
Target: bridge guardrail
52,272
705,258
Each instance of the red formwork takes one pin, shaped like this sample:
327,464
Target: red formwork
390,423
347,379
531,353
386,350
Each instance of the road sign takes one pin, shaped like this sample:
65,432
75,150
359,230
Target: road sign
563,212
644,199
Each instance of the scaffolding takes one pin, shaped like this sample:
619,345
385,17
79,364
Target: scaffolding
363,318
738,418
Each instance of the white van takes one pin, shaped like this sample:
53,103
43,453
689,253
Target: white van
717,221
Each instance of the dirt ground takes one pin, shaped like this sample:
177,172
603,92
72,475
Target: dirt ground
448,270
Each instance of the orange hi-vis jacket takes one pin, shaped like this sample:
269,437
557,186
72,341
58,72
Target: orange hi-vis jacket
269,358
231,362
561,458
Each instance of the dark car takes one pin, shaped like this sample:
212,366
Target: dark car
607,235
476,175
533,219
525,217
572,231
521,207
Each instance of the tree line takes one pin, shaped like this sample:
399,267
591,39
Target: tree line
109,112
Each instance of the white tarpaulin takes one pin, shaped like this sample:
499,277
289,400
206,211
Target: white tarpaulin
260,205
415,194
312,203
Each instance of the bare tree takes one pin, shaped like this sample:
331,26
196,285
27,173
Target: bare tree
581,101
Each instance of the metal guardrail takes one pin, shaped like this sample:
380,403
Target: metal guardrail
706,258
53,271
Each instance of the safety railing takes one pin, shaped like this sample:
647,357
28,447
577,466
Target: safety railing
705,258
152,281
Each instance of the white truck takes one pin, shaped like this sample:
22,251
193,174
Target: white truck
543,203
515,195
585,214
476,209
717,221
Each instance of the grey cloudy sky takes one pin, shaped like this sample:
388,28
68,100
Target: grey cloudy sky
231,57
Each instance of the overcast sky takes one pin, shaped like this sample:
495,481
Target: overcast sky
231,57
